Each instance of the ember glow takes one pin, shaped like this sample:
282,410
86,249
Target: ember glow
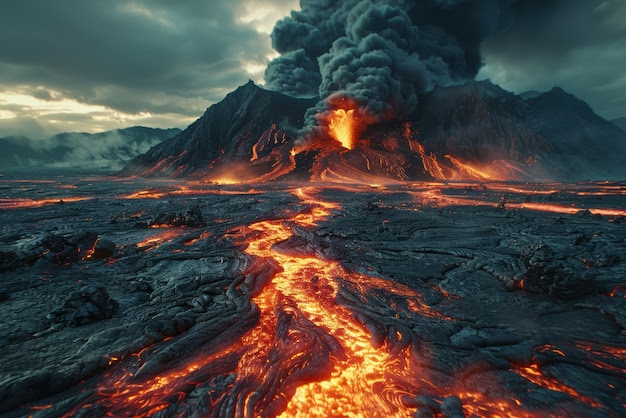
344,126
167,234
534,374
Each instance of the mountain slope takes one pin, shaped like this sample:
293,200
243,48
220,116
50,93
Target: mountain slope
228,130
478,121
620,123
582,143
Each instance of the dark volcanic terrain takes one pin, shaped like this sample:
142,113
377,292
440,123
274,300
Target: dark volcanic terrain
172,298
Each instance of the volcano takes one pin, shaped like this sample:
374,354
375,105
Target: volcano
474,131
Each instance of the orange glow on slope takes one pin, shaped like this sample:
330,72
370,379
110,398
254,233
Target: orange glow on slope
471,172
344,126
430,163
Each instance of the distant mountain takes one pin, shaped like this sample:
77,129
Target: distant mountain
109,150
620,123
234,129
583,144
556,131
478,122
471,131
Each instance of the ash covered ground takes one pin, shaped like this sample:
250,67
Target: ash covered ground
123,296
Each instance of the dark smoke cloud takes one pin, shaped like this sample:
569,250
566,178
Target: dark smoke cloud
379,54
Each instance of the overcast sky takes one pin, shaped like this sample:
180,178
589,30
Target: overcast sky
89,65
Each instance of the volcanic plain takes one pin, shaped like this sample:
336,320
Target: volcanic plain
131,297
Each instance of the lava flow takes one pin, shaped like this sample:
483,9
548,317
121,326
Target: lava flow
309,285
302,341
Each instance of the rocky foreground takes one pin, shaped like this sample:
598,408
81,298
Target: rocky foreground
179,299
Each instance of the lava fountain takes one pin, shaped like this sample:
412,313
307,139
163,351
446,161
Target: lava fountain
343,126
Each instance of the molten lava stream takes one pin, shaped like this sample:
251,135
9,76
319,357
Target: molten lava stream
361,380
308,284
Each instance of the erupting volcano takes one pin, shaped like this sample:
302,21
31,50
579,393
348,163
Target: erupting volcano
476,131
372,233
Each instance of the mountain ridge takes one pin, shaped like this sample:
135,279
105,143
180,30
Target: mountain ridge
475,130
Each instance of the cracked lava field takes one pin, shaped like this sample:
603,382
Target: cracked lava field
128,297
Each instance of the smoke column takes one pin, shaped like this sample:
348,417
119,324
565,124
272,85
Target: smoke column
379,55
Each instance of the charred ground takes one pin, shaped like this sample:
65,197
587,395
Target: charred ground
165,298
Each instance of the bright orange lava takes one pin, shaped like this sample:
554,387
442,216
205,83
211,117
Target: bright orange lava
350,390
366,379
343,126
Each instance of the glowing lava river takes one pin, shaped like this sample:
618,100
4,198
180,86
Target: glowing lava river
342,301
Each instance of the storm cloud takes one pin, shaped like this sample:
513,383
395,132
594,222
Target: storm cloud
577,45
88,65
134,57
383,53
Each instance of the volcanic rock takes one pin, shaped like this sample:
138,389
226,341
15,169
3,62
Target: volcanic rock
89,304
192,217
428,288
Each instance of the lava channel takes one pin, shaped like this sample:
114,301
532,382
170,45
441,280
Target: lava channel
307,352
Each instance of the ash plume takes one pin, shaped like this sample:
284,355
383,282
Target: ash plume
379,54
